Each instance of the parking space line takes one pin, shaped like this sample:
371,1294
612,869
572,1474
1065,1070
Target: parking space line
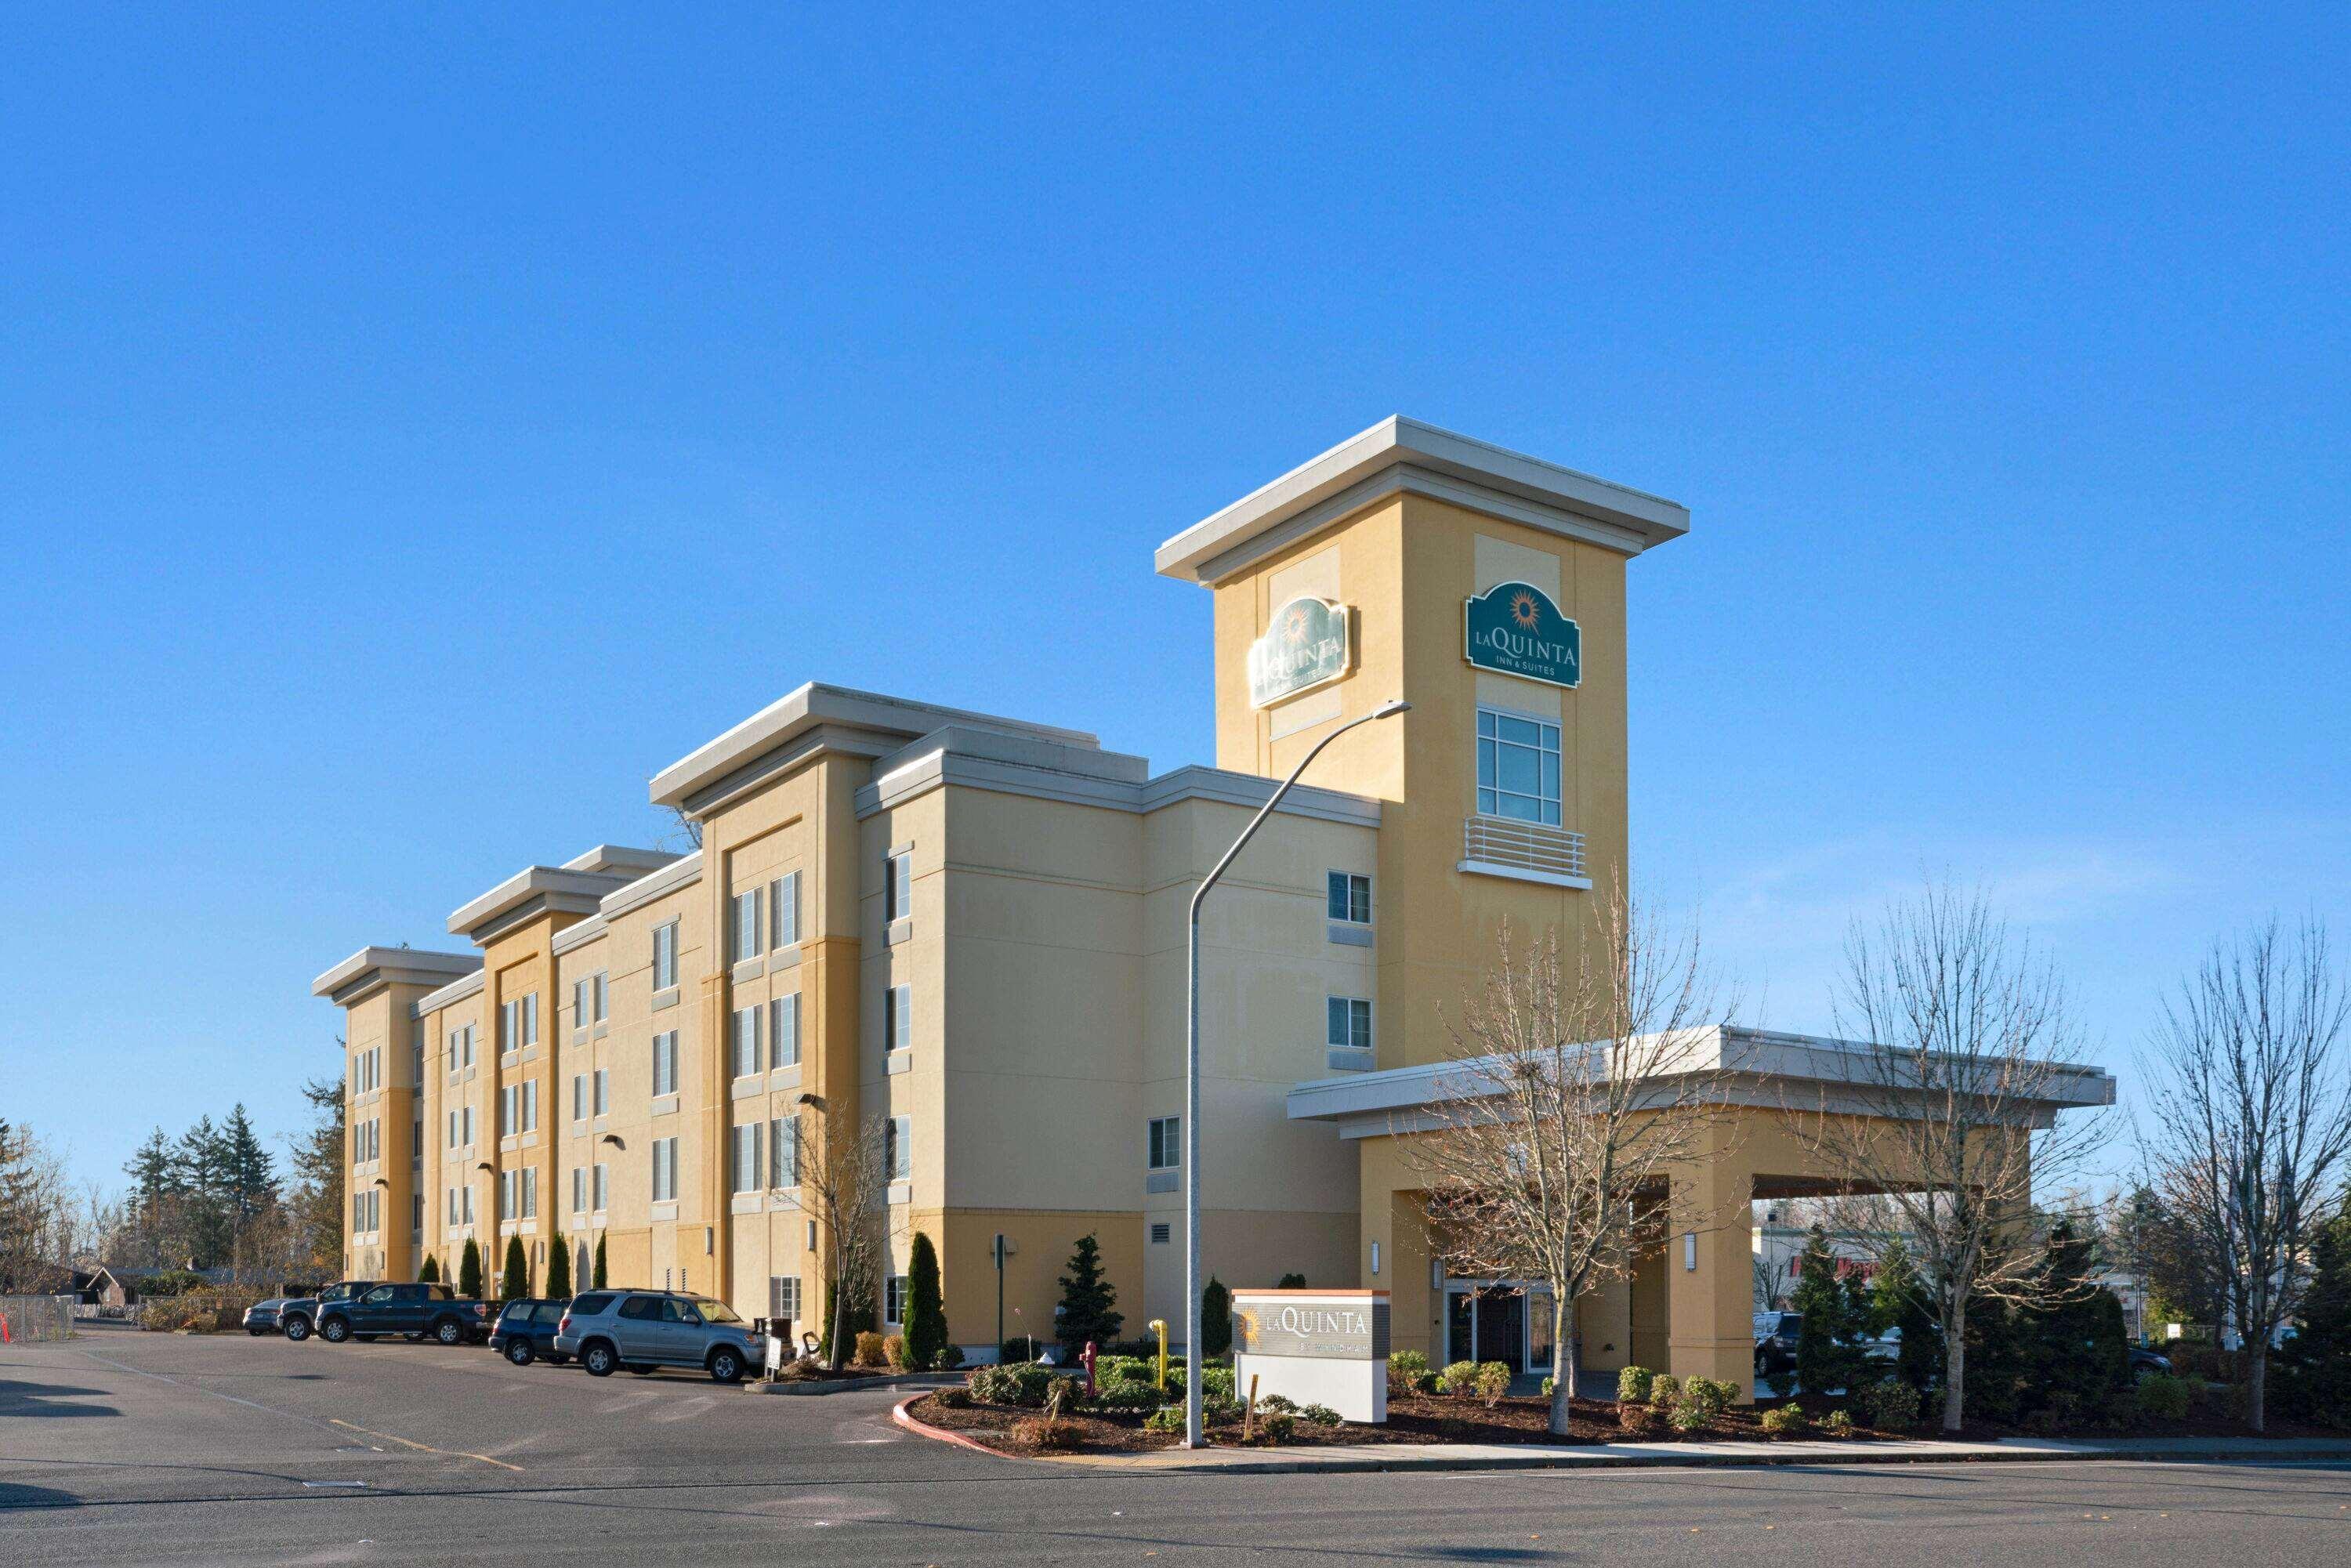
425,1447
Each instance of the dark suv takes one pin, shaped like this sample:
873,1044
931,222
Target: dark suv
416,1310
1775,1345
525,1329
298,1316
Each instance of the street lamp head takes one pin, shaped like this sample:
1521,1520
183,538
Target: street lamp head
1391,707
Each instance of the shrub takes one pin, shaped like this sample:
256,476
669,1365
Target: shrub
1787,1421
1891,1404
1291,1282
1664,1391
469,1271
926,1318
2162,1397
1088,1302
1021,1382
893,1352
1213,1409
870,1350
1047,1432
1634,1384
1708,1395
597,1283
518,1271
1063,1396
955,1399
1459,1379
1110,1369
1166,1418
1276,1429
1280,1404
1689,1418
1424,1384
1549,1386
558,1271
1405,1368
1217,1383
1320,1415
1838,1424
1021,1348
950,1357
1127,1396
1638,1420
430,1273
1216,1320
1493,1380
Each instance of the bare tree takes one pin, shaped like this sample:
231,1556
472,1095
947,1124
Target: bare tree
2253,1122
37,1223
1961,1053
845,1189
1583,1087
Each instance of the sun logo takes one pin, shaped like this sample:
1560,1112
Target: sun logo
1525,609
1295,631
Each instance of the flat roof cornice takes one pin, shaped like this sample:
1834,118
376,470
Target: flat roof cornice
579,892
1401,454
371,968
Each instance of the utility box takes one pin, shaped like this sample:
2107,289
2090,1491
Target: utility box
1317,1347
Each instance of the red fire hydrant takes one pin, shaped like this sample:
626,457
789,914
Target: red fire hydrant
1086,1359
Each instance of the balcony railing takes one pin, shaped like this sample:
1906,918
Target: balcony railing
1498,846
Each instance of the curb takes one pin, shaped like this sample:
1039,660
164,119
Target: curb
1650,1459
847,1385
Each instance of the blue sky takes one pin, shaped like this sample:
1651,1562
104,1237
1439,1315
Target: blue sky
417,432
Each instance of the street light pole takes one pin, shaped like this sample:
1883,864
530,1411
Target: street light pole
1195,1369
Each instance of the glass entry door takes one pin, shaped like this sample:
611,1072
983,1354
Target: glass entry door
1497,1320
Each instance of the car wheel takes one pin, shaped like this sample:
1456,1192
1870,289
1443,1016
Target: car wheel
449,1331
598,1359
519,1351
334,1331
725,1366
298,1329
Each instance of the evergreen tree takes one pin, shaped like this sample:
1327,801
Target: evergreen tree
926,1318
251,1176
430,1273
2077,1359
558,1271
1089,1308
2314,1366
469,1271
318,1169
1826,1358
597,1282
516,1281
151,1173
1898,1305
1998,1362
1216,1321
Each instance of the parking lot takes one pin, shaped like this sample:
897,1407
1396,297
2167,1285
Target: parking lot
135,1447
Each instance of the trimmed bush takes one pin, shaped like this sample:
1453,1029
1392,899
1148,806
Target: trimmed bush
1047,1432
1217,1383
518,1271
1320,1415
597,1282
926,1317
1020,1383
2162,1397
558,1271
1063,1396
1127,1396
1634,1385
1549,1386
1689,1418
1216,1320
430,1273
1664,1391
1459,1379
1891,1404
1166,1418
1280,1404
894,1352
469,1271
870,1350
1708,1395
1276,1429
1493,1381
1838,1424
1638,1420
1787,1421
1405,1368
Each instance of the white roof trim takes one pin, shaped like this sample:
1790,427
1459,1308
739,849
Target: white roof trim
619,858
812,705
448,994
683,872
1406,453
396,965
559,887
579,935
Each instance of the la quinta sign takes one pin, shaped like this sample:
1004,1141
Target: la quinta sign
1305,645
1514,629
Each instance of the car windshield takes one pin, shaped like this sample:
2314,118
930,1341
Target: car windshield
517,1310
715,1312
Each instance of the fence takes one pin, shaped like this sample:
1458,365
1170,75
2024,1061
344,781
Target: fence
37,1317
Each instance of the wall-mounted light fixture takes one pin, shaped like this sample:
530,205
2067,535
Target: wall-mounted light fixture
615,1139
1689,1252
709,1240
1376,1257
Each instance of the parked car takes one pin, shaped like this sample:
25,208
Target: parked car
261,1318
1775,1344
298,1316
2146,1364
525,1329
414,1310
643,1330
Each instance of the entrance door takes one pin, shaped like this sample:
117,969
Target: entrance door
1502,1328
1461,1326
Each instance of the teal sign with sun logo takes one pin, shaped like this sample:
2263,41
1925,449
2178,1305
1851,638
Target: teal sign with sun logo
1305,645
1514,629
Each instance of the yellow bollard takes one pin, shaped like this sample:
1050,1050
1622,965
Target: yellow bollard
1159,1327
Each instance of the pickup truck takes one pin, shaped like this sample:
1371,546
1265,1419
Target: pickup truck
298,1316
416,1310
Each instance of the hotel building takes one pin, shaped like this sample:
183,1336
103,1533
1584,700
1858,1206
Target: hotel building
970,930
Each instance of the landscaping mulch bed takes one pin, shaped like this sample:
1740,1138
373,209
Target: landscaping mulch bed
1413,1419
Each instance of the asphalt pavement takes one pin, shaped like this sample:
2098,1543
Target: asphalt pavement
128,1449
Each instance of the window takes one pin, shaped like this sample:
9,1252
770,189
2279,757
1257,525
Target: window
897,886
530,1019
1166,1143
460,1048
416,1052
510,1112
1350,898
505,1195
784,1152
744,926
460,1206
666,956
416,1212
742,1041
509,1027
580,1002
603,1098
416,1139
529,1193
894,1300
664,1170
1518,767
1351,1023
742,1148
784,1032
579,1096
579,1189
531,1106
598,994
783,911
466,1034
599,1189
467,1123
1161,1232
898,1018
450,1055
665,1064
898,1148
784,1297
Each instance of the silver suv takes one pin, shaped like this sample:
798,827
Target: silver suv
643,1330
